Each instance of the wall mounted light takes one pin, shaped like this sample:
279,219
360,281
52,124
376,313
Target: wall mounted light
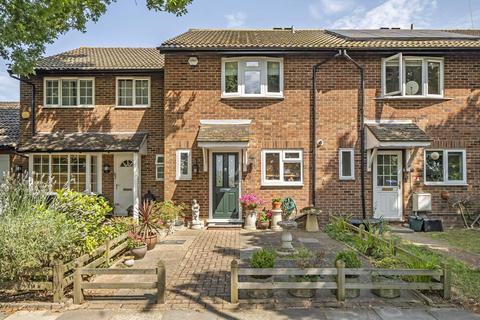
107,169
193,61
434,155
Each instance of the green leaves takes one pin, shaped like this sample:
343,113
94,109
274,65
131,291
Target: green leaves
26,27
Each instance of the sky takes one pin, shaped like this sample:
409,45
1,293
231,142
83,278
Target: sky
128,23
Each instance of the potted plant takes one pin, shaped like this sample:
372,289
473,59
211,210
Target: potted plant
250,202
264,258
351,260
148,224
170,213
264,219
306,259
386,263
276,203
136,245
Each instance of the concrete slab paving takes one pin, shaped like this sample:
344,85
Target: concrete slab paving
403,314
33,315
179,314
136,315
86,315
308,240
453,313
353,314
2,315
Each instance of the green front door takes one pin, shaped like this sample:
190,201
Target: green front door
225,185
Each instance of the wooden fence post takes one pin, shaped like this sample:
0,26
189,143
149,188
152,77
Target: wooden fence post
447,281
161,282
394,244
340,280
77,286
361,229
108,243
57,281
234,281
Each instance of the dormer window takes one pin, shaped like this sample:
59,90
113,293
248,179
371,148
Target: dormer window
69,92
252,77
409,76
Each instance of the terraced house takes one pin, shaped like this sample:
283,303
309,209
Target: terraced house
376,122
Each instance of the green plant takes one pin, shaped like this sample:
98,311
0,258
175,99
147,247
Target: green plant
277,199
168,211
148,220
307,259
350,259
265,215
264,258
134,241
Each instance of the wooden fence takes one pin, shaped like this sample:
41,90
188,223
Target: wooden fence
338,279
79,284
60,275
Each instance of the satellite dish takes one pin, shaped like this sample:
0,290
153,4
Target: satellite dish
411,88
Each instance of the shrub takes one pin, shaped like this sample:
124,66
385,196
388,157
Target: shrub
350,259
168,211
264,258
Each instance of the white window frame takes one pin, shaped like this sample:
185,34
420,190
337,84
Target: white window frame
445,182
157,164
134,105
402,67
283,160
59,79
263,77
179,175
340,163
88,171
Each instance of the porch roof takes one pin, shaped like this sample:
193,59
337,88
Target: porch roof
227,131
396,135
9,124
85,142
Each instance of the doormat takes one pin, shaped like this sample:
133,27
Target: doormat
172,241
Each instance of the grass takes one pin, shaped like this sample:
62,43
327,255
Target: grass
463,239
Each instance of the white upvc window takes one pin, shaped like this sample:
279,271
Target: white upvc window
412,76
184,164
445,167
346,169
68,92
133,92
282,167
77,172
252,77
159,167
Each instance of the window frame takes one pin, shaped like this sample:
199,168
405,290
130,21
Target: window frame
157,164
402,73
340,163
241,65
283,160
59,80
88,171
179,175
134,104
445,181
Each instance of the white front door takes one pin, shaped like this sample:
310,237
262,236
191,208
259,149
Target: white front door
4,166
387,185
123,192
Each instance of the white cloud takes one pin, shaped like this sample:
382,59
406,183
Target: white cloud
236,20
328,7
391,13
9,88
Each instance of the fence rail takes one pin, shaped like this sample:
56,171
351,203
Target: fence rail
340,274
79,285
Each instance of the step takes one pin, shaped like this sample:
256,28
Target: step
222,225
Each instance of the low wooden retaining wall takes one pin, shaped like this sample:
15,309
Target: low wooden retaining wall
61,275
338,279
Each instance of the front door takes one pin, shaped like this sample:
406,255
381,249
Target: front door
123,184
225,185
387,185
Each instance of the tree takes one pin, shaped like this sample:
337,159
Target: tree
27,26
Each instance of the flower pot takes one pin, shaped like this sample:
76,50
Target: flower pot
301,293
139,253
260,293
276,205
263,225
151,241
250,220
385,293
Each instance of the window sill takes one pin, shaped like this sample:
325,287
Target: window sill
413,98
347,179
252,97
131,107
68,107
282,185
444,184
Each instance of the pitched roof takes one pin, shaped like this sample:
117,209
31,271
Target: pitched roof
83,142
388,132
218,39
9,124
87,58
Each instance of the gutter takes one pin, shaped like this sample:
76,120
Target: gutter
32,103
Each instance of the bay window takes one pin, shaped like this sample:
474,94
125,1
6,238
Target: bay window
69,92
282,167
408,76
77,172
252,77
445,167
133,92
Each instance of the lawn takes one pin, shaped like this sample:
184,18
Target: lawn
468,240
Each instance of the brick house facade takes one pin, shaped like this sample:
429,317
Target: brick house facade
187,96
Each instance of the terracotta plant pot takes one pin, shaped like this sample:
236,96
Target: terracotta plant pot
151,242
276,205
263,225
139,253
